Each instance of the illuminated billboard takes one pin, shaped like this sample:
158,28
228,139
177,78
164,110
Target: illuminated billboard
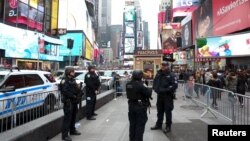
79,43
225,46
129,45
24,44
89,50
129,14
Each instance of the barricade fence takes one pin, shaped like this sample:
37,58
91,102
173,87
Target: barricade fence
120,86
232,106
229,105
18,110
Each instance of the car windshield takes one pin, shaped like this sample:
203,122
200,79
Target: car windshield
81,76
59,73
79,73
1,78
107,73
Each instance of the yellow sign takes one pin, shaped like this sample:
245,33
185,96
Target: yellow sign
34,3
89,50
54,15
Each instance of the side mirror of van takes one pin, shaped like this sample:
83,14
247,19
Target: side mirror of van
8,89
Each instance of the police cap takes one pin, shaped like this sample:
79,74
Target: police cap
91,67
165,63
137,75
68,70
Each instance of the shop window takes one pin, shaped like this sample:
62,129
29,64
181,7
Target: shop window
15,80
32,80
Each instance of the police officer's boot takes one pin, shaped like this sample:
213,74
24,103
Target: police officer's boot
156,127
167,129
67,138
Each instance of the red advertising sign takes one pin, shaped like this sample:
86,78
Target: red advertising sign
19,12
230,16
41,45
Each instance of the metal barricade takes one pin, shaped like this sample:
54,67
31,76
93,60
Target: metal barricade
241,109
15,111
214,100
221,101
196,93
120,86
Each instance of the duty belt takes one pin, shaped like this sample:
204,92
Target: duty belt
135,101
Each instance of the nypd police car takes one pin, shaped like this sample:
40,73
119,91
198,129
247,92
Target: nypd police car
27,89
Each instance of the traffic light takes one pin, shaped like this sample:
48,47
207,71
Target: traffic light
70,43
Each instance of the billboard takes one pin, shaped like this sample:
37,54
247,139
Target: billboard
89,50
186,34
129,14
230,16
129,45
169,38
139,39
225,46
54,14
29,13
217,17
24,44
204,20
129,29
79,43
180,58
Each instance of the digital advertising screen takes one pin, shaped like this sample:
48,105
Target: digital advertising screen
224,46
79,43
129,45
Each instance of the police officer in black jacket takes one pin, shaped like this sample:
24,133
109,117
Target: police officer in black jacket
164,84
92,87
138,101
69,92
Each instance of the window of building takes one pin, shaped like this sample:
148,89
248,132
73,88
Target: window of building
37,15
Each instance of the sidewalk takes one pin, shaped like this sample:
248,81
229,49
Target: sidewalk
112,123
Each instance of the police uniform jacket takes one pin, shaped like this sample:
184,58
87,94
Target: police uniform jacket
69,88
137,91
92,82
165,82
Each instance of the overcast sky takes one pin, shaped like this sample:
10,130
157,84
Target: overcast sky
150,10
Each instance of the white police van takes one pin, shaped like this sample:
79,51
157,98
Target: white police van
26,89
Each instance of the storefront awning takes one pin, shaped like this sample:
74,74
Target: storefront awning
53,40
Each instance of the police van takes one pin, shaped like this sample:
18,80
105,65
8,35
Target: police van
27,89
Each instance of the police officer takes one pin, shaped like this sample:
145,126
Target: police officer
92,86
165,83
138,101
69,91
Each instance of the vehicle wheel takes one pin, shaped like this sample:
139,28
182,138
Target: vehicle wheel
49,104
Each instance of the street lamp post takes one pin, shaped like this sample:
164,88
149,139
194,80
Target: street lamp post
38,52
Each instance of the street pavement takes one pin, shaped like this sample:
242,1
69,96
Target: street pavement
112,123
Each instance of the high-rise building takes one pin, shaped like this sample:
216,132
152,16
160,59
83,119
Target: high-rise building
115,40
146,35
104,22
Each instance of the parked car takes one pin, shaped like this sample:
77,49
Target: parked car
27,89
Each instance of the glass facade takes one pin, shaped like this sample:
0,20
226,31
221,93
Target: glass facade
36,15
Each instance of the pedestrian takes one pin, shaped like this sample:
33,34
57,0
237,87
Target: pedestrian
138,100
241,87
216,85
165,84
69,92
93,84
